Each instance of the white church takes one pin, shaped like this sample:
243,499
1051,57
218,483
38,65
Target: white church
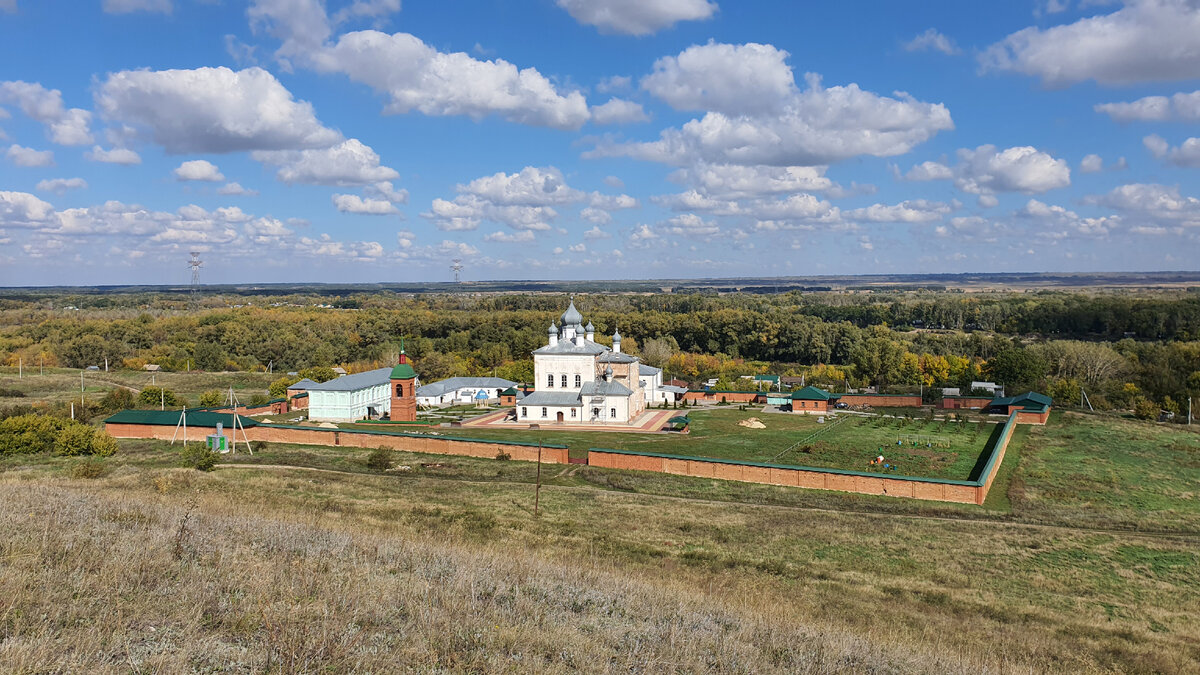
579,381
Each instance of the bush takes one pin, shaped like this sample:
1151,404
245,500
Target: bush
212,398
380,459
89,468
278,388
117,399
199,457
12,393
258,399
158,396
28,434
258,446
503,456
74,440
1145,409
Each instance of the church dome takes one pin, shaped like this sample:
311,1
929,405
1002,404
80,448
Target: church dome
616,335
552,330
590,328
571,316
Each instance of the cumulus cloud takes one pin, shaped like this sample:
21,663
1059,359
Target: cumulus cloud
1144,41
414,75
931,40
521,237
636,17
595,234
1186,155
213,110
385,190
1182,106
908,211
735,181
199,169
346,164
61,185
985,171
235,188
1152,204
614,83
356,204
28,157
1056,222
366,9
130,6
532,186
758,116
63,126
115,156
619,111
21,209
1091,164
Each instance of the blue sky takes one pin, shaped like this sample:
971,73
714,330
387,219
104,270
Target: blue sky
366,140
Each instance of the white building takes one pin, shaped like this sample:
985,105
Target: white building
350,398
579,381
461,390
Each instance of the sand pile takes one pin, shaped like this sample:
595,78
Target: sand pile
752,423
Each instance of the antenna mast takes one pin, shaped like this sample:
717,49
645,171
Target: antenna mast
457,267
195,263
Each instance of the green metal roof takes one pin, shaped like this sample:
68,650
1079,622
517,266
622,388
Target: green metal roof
403,371
1030,400
511,391
810,393
195,418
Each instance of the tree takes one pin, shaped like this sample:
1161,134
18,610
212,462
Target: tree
656,351
1017,368
117,399
209,356
879,360
318,373
158,396
278,388
212,398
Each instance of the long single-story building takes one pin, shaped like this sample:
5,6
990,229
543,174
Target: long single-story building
461,390
350,398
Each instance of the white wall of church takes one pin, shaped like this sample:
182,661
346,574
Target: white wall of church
545,365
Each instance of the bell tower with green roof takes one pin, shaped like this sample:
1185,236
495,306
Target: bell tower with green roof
404,390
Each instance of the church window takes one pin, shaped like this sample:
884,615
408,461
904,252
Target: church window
564,379
399,390
544,412
524,412
572,412
578,380
550,380
612,412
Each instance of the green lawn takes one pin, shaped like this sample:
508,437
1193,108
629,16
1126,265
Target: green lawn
943,450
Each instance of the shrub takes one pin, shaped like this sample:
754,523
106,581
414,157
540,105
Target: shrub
89,468
103,445
212,398
28,434
278,388
503,456
12,393
74,440
117,399
199,457
258,446
380,459
258,399
158,396
1145,409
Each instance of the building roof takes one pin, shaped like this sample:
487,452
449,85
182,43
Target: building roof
170,418
302,384
810,393
1030,400
644,369
455,383
511,391
670,388
617,357
571,316
602,388
767,378
364,380
588,348
552,398
402,371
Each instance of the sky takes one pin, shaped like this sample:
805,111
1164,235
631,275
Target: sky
378,141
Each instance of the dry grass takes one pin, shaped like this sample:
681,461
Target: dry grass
99,582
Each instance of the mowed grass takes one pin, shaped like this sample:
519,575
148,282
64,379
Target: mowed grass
1115,472
932,449
445,566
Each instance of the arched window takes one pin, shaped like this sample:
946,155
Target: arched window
612,412
578,381
524,412
572,412
550,380
544,413
399,390
564,379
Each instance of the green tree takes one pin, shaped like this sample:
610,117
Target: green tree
1145,409
318,373
158,396
879,359
209,356
117,399
278,388
74,440
1017,368
212,398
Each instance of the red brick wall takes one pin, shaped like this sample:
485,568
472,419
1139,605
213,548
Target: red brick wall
964,403
819,407
877,401
1032,417
729,396
337,437
404,400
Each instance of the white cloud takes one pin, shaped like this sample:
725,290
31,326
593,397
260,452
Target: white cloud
63,126
619,111
236,189
23,156
1182,106
641,234
1058,223
636,17
366,9
199,169
345,164
1091,164
933,40
597,216
814,127
385,190
128,6
115,156
733,181
909,211
1152,204
356,204
614,182
1144,41
1186,155
595,234
615,83
1157,145
532,186
984,171
213,110
61,185
731,79
521,237
21,209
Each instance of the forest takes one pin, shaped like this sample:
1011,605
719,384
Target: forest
1134,350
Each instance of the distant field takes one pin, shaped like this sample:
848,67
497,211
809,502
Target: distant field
942,450
62,384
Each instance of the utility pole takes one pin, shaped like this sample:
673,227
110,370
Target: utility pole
20,369
106,364
537,492
162,393
41,365
1189,411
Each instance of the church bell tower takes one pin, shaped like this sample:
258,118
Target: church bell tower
404,390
